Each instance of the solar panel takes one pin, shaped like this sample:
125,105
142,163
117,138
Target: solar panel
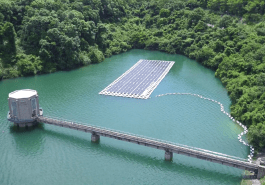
140,80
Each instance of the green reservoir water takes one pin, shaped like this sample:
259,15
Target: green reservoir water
54,155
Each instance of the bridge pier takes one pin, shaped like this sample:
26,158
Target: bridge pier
261,172
95,138
168,156
169,148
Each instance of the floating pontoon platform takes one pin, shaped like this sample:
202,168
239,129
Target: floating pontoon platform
140,80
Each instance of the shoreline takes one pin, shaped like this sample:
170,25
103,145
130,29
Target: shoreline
259,158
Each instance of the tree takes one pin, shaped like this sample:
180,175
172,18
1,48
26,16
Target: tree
138,39
28,65
96,56
201,26
225,21
34,30
164,13
196,15
256,135
7,43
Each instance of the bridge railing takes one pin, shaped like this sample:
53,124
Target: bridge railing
146,137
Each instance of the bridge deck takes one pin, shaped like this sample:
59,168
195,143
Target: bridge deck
155,143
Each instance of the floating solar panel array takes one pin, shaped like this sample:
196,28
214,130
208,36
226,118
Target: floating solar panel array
140,80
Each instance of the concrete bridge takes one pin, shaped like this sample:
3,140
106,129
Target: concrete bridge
24,110
168,147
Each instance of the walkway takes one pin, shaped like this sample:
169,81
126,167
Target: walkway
168,147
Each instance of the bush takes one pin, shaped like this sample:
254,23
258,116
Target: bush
96,56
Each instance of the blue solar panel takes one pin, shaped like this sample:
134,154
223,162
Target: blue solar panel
140,80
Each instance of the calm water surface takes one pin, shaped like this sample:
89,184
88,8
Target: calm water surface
54,155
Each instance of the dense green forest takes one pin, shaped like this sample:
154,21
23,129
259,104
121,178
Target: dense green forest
228,36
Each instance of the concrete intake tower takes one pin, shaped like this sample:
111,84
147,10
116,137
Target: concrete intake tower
23,107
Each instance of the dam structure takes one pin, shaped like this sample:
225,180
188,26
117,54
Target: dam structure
27,101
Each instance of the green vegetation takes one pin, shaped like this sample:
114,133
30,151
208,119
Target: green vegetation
247,181
228,36
262,181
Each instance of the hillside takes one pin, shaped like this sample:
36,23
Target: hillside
228,36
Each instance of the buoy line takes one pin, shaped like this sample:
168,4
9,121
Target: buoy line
227,114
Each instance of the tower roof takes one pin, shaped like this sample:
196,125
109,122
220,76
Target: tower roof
24,93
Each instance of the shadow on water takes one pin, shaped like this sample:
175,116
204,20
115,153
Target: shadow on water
16,129
29,140
39,132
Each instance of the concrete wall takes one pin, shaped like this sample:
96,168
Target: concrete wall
24,108
261,172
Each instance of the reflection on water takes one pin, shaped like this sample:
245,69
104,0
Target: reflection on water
29,140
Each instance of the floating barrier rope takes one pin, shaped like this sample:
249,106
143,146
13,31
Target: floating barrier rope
227,114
